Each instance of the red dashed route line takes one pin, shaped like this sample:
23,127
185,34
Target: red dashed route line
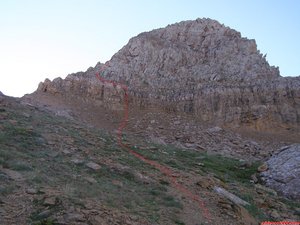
163,169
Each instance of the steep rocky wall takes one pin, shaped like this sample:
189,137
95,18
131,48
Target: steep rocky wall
262,105
198,67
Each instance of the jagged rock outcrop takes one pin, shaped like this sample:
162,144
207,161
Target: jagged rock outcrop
198,67
283,172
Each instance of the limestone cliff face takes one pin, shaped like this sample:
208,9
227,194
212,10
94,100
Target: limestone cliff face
198,67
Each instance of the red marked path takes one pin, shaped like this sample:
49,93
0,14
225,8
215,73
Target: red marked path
168,172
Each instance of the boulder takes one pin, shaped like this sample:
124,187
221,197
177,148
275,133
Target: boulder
93,166
283,174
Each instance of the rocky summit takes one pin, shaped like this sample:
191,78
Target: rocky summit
187,124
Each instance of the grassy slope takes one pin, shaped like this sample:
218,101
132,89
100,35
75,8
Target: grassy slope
41,147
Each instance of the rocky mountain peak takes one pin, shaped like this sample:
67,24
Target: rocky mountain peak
198,67
161,137
190,52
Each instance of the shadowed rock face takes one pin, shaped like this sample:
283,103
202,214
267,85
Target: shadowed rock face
198,67
283,172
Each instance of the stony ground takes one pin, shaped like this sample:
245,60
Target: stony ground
58,170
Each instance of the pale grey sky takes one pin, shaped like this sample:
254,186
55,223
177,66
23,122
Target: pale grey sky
50,38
